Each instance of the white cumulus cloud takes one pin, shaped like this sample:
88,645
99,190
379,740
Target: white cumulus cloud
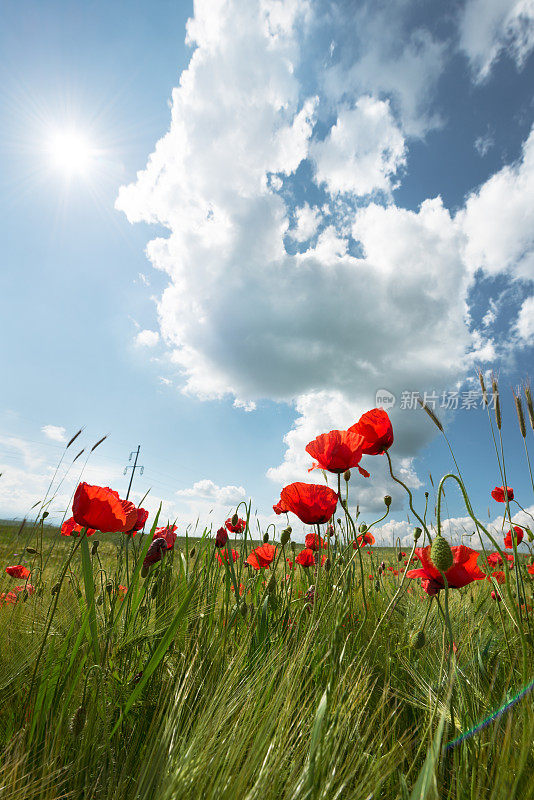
55,432
490,27
208,490
147,338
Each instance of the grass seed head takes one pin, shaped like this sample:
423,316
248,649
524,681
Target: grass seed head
530,405
430,413
496,401
77,722
520,415
483,387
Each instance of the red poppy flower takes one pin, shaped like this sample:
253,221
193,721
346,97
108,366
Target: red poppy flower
530,569
365,538
314,542
463,571
337,451
241,589
496,561
290,563
280,508
262,556
221,537
224,556
239,527
28,588
498,494
18,571
155,552
101,508
375,427
312,503
168,533
518,535
499,576
142,516
8,598
121,591
306,558
70,528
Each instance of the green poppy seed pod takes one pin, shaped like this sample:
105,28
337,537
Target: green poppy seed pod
417,533
346,475
192,553
94,548
441,554
285,537
235,519
31,550
243,609
77,722
387,500
265,538
418,640
363,527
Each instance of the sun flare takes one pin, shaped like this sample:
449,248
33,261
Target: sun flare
70,152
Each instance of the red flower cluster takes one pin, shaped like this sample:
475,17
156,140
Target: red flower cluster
70,528
463,571
262,556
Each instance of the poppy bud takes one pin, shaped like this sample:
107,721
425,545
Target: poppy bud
400,557
243,609
235,519
496,596
441,554
417,533
265,538
94,548
418,640
77,722
31,550
377,586
426,495
192,553
382,565
327,564
330,530
346,475
363,528
387,500
285,537
221,538
293,546
380,570
271,586
45,514
109,587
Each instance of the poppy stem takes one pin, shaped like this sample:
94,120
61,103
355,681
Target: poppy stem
410,497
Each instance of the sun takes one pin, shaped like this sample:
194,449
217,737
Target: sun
70,152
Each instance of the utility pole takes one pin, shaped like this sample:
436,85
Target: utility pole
133,468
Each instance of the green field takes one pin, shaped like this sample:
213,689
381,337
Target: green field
179,690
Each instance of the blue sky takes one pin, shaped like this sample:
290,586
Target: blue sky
341,200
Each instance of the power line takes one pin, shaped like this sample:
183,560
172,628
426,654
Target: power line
133,468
